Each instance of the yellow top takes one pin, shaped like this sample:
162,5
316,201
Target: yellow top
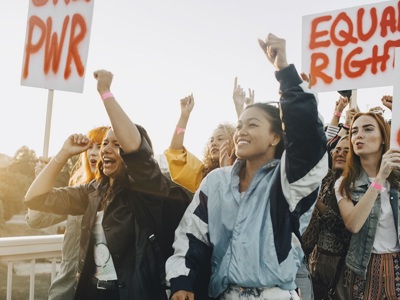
185,168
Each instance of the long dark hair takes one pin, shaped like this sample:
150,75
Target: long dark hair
122,179
273,116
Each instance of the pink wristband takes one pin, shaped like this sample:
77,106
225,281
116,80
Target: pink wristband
377,186
107,95
337,114
180,130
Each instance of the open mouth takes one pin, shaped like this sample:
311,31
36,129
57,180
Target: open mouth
108,162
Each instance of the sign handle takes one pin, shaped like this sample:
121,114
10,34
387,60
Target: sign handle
353,100
50,98
395,126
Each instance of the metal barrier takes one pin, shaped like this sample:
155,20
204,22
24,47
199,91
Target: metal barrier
21,248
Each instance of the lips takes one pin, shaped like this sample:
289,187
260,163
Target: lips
108,162
242,142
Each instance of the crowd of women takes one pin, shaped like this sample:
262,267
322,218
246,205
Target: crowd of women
280,207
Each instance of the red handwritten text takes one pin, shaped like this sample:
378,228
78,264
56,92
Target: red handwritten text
343,31
53,46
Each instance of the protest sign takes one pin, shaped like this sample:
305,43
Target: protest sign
351,48
57,44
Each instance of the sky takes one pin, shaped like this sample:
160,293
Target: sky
160,52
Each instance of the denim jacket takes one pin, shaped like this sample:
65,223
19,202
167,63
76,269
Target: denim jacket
361,243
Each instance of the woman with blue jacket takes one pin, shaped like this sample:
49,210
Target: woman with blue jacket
249,215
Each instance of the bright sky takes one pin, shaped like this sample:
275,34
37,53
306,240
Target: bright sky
159,52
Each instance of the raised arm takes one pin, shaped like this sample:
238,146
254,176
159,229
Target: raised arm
44,182
340,105
178,136
239,98
37,219
127,133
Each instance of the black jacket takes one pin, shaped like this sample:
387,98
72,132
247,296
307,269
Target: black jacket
149,194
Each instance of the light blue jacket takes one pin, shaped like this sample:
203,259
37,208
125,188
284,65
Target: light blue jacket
253,239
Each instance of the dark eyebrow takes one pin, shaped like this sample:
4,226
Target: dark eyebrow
251,119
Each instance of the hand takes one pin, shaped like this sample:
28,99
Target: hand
41,164
226,154
306,78
250,100
390,161
76,144
182,295
187,105
377,110
341,104
350,113
104,79
239,95
275,50
387,101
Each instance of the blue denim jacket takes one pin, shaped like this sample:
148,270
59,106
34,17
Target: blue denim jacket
361,243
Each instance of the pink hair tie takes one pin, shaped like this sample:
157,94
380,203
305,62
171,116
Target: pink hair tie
107,95
337,114
180,130
377,186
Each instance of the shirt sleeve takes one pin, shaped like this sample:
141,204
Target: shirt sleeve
191,246
185,168
37,219
338,195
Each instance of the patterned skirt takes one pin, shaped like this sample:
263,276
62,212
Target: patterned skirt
383,278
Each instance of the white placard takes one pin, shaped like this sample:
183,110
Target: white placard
56,44
351,48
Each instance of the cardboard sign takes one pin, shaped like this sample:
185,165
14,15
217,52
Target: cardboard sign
351,48
57,44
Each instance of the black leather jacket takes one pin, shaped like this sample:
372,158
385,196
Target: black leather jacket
136,266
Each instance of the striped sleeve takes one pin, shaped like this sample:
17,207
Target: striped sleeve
191,245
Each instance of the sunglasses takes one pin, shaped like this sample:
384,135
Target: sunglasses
273,103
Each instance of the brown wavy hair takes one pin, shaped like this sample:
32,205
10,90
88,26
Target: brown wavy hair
81,172
353,167
209,163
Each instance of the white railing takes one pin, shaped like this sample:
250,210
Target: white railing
20,248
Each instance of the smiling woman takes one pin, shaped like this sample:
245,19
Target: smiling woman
117,258
185,168
257,202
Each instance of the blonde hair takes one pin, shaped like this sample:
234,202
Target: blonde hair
209,163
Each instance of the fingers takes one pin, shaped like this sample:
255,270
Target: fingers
187,101
235,85
182,295
79,139
390,161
